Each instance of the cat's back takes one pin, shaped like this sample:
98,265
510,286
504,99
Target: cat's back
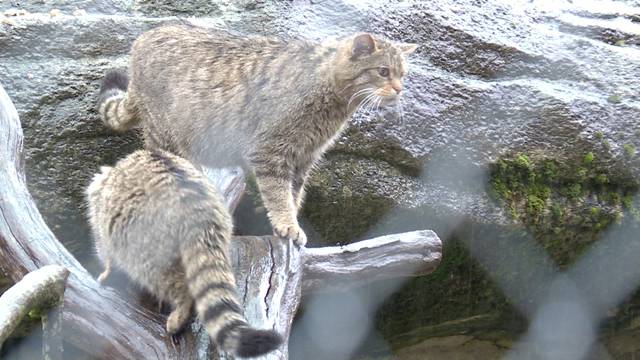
186,41
150,193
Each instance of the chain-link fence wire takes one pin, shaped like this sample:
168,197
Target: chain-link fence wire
563,308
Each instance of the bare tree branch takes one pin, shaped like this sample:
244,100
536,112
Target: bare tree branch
386,257
40,289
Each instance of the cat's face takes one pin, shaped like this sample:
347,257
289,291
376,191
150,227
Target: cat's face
369,71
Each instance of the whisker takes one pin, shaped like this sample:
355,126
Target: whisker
366,100
372,106
358,93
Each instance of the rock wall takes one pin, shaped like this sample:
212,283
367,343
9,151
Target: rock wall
519,121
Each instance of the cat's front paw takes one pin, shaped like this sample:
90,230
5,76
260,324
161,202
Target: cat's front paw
291,231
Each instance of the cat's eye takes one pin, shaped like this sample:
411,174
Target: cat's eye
383,71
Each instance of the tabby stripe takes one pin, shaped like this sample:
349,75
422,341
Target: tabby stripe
115,112
214,286
270,173
205,269
112,222
150,135
223,306
107,107
224,332
169,165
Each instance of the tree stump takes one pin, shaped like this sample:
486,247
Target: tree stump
272,274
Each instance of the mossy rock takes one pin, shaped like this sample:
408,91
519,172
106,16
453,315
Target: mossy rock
564,207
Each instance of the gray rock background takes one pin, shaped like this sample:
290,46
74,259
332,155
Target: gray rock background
492,79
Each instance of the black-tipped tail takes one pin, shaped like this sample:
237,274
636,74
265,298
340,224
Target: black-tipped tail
114,80
115,109
252,342
112,83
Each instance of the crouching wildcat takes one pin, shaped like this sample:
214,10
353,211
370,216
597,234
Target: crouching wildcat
157,218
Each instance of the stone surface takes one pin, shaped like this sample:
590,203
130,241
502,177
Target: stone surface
492,79
459,347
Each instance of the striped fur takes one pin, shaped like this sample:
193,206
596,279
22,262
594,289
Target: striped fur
113,103
157,218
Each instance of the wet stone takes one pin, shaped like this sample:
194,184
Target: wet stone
490,80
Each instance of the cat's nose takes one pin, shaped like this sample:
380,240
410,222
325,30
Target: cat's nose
397,86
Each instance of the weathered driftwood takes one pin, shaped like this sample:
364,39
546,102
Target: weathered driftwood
41,289
275,273
386,257
270,271
52,339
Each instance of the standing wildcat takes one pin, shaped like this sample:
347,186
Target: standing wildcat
218,99
158,219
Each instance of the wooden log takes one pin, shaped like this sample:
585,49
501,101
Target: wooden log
386,257
40,289
52,344
273,274
268,274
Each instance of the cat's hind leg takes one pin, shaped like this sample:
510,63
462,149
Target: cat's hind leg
107,271
178,295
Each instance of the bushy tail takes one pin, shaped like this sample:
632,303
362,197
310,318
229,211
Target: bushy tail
113,103
212,284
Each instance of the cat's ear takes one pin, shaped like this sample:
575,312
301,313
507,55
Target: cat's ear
407,48
363,45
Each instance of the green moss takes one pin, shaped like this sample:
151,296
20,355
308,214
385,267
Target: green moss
549,198
35,314
606,145
523,162
572,191
582,174
557,211
614,99
629,150
614,198
549,169
601,179
588,158
535,206
599,135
